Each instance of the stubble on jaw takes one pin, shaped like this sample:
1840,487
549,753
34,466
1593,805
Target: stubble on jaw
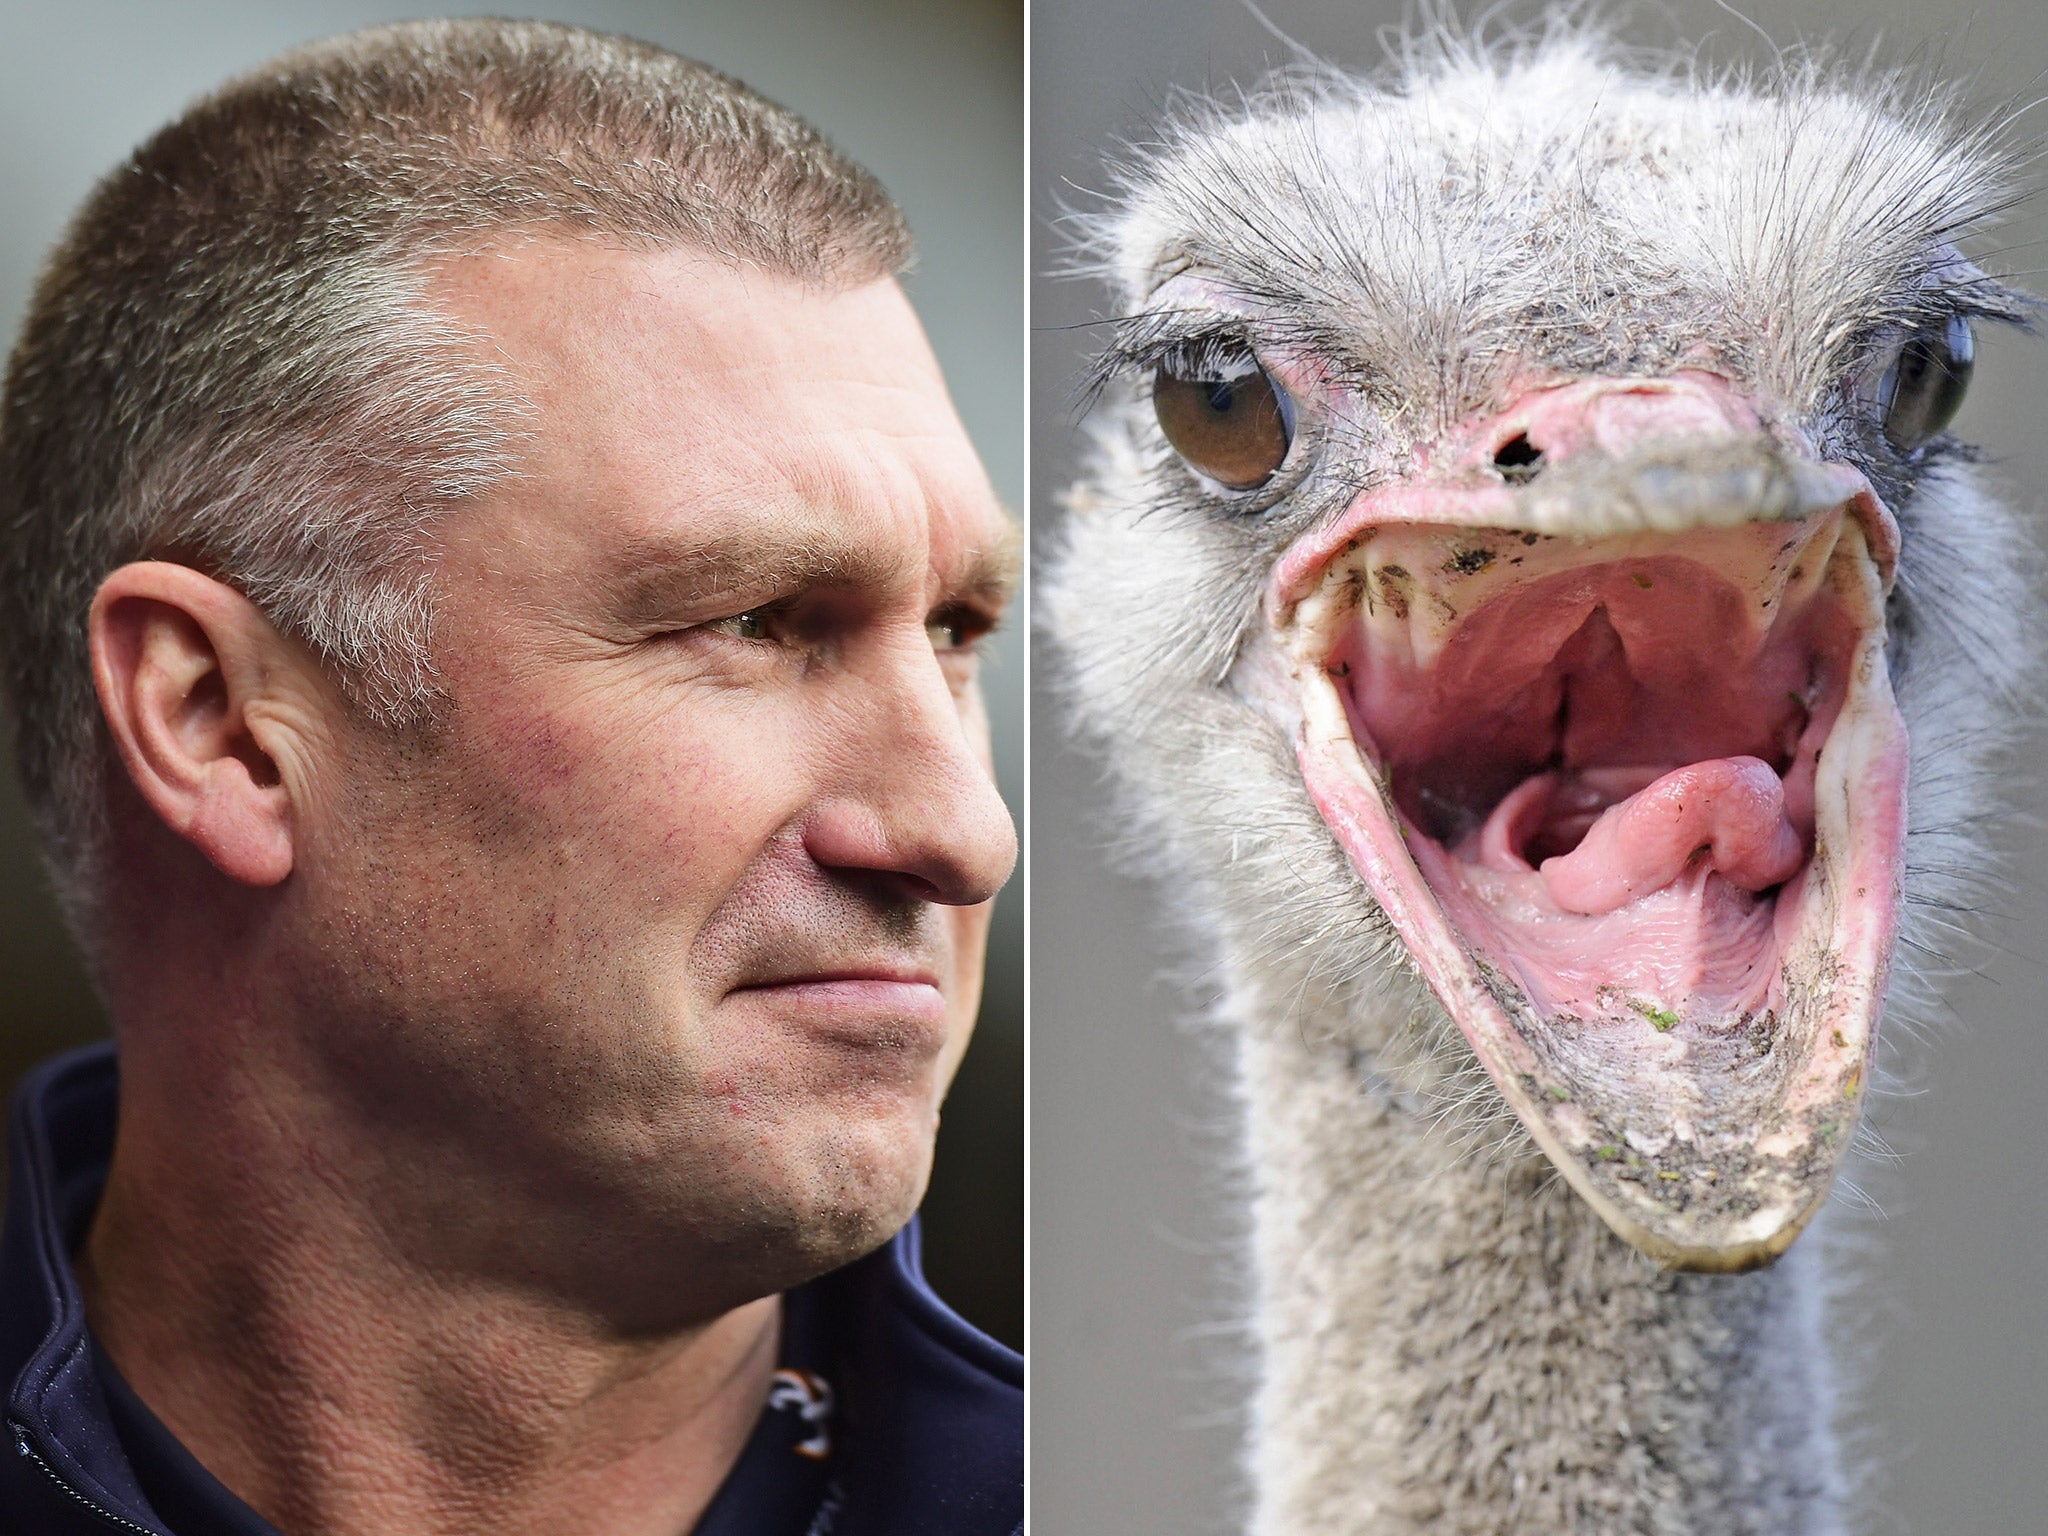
621,1107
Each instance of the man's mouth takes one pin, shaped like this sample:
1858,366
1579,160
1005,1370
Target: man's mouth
1633,797
901,1004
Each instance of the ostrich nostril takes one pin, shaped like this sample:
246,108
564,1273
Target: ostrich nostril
1518,459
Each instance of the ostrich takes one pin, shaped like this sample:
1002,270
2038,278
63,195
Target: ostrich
1522,567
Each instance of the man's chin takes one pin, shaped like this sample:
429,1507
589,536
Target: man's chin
658,1250
842,1194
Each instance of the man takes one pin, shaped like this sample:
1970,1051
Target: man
491,596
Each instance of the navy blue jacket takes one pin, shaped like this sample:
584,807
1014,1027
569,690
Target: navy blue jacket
889,1416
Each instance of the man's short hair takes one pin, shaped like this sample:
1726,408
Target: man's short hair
233,359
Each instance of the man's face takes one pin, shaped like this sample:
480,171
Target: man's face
675,929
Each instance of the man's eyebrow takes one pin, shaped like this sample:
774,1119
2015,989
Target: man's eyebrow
657,577
992,572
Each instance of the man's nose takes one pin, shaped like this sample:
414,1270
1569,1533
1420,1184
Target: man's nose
915,796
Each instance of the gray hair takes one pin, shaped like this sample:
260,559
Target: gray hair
233,358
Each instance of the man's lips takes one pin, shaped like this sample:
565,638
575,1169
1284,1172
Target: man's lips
857,999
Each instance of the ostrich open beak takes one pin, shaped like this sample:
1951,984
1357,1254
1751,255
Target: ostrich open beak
1597,703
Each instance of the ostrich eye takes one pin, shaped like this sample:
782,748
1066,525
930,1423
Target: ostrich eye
1233,429
1923,388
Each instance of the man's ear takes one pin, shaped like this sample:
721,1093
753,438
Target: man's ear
200,692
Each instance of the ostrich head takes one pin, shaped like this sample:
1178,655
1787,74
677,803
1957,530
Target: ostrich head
1525,578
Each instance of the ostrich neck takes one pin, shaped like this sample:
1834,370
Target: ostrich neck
1454,1343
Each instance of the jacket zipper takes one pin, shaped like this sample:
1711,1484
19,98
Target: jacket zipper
121,1522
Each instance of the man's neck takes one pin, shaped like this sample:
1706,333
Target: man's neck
339,1390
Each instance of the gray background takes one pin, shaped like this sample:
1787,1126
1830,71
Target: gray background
1132,1254
927,93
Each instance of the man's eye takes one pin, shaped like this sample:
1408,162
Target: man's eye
744,626
955,629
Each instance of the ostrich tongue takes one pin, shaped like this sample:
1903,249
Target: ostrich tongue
1723,817
1635,805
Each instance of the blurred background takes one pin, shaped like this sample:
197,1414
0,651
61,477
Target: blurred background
926,93
1137,1375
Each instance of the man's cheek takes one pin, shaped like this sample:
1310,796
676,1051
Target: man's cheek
969,929
679,789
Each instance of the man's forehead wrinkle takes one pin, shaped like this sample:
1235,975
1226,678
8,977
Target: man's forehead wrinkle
942,507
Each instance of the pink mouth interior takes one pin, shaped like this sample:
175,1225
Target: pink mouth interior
1606,774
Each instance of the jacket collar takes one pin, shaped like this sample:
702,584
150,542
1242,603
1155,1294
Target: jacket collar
58,1148
935,1408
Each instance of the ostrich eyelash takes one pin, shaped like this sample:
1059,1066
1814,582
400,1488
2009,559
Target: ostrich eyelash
1953,288
1144,343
